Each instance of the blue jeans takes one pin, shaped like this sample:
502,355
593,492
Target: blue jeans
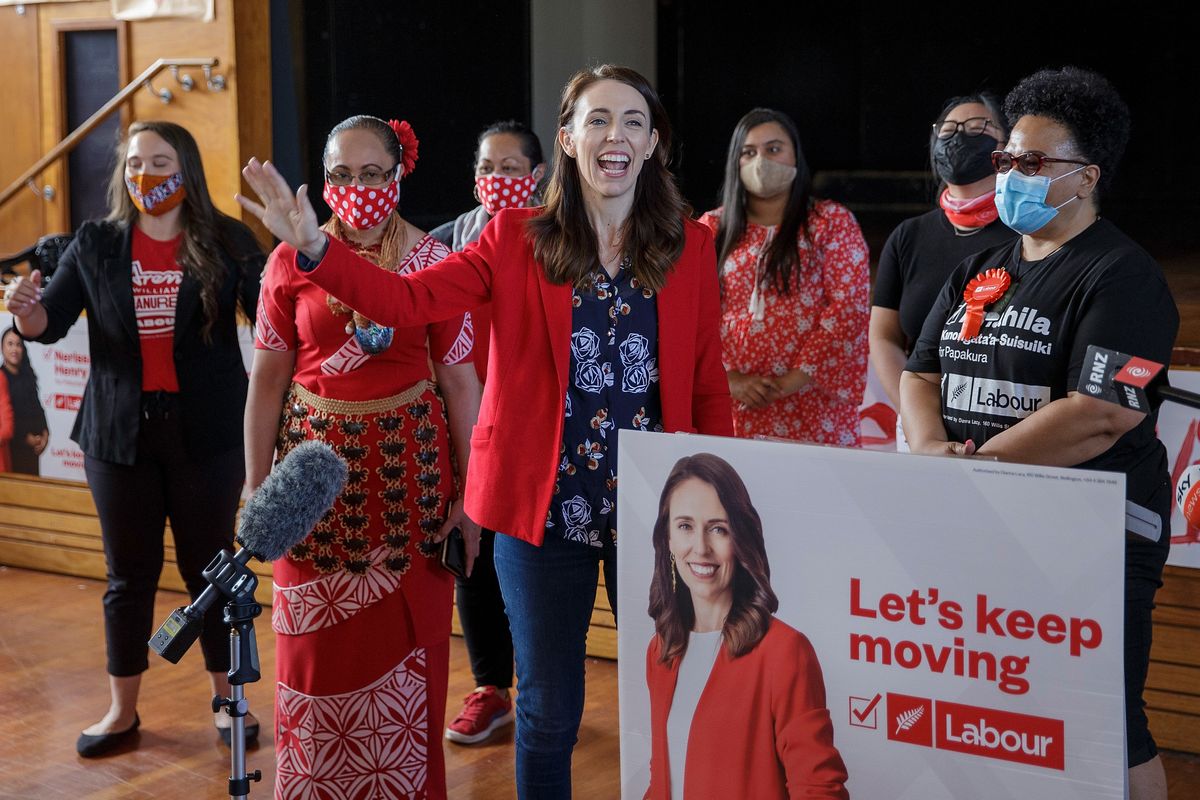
549,592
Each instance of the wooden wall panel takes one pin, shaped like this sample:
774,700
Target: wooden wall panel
21,219
239,37
251,31
1173,685
51,526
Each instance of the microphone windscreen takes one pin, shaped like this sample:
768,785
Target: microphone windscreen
1187,494
292,500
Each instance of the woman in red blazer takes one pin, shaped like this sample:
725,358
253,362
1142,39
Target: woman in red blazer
737,701
604,317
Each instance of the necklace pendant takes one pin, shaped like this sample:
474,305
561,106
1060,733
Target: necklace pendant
374,339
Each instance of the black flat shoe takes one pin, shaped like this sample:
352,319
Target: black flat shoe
251,734
93,746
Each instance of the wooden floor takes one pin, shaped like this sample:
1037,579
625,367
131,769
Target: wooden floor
52,685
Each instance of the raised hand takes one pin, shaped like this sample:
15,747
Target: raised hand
286,214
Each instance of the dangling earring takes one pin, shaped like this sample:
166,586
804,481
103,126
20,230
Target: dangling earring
673,571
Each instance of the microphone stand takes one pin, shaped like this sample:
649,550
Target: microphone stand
1181,396
228,576
243,669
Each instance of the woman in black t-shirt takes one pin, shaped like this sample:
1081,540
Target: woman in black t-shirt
1001,382
923,250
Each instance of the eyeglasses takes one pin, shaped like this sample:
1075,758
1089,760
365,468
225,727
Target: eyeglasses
1027,163
368,177
970,127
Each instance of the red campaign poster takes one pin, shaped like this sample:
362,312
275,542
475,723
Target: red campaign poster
911,627
1179,430
60,371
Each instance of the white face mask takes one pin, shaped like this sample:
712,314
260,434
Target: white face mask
765,178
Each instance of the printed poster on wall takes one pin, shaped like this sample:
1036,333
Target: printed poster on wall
61,372
965,616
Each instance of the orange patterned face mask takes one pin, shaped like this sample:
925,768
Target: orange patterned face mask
155,194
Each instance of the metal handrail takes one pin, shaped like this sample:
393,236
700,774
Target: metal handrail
87,126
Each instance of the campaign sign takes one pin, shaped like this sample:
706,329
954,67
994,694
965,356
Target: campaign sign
61,370
965,615
1179,430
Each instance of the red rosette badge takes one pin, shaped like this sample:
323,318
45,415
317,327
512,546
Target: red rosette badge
408,144
984,289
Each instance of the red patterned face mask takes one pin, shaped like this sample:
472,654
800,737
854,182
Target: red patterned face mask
501,191
363,207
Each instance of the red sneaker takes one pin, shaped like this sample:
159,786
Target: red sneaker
484,710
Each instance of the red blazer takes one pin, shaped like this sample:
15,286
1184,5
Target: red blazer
515,446
761,728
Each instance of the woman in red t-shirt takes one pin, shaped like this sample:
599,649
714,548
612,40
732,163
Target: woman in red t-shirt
161,278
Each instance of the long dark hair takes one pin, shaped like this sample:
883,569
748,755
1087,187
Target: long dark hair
24,368
204,236
782,256
753,599
564,241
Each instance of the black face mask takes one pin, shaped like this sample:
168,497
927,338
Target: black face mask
963,159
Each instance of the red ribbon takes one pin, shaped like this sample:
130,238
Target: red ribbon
984,289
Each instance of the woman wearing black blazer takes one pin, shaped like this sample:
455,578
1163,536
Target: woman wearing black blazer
161,279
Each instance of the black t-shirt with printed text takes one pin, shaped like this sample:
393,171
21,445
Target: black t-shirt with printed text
1100,288
916,260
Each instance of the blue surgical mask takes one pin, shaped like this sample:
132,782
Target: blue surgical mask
1021,200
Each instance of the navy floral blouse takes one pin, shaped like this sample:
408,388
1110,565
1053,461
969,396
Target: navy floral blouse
613,386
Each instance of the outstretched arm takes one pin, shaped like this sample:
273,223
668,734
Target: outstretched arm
460,283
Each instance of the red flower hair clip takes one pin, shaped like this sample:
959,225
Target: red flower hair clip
408,144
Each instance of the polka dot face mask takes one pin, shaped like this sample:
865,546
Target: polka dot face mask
363,207
501,191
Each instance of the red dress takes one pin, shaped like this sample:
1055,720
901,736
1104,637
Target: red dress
819,326
362,607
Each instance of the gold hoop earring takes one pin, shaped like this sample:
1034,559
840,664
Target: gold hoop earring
674,588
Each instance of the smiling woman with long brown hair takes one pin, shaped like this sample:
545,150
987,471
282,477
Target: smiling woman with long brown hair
764,730
604,309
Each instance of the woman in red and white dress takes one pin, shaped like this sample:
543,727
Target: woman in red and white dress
794,291
362,606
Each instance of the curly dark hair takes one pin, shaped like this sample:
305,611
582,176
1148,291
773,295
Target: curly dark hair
1086,104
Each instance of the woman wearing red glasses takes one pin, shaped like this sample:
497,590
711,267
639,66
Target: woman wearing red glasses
362,606
923,250
1022,316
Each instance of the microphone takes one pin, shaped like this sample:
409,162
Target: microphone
281,513
1187,495
1129,381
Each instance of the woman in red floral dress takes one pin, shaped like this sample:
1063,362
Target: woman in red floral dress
794,291
362,606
